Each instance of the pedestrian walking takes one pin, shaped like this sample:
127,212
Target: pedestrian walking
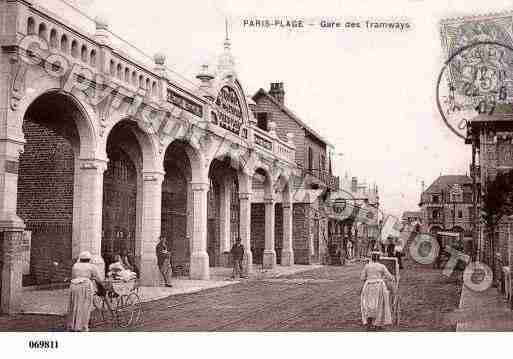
398,251
164,260
82,288
390,246
237,253
375,298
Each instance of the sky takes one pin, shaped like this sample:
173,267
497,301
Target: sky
371,93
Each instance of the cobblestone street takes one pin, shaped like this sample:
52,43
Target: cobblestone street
324,299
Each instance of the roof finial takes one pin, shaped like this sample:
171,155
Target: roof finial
227,37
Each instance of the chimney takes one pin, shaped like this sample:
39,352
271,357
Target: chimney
278,92
354,184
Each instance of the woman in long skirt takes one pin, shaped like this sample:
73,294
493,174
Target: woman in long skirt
375,298
82,289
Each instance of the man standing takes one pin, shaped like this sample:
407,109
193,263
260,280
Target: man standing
163,259
398,251
237,253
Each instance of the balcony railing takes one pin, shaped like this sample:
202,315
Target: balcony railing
271,143
332,182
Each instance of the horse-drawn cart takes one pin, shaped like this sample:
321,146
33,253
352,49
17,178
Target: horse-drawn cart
393,288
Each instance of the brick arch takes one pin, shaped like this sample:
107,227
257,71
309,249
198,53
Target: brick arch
85,119
57,135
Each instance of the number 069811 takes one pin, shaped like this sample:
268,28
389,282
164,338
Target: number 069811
43,344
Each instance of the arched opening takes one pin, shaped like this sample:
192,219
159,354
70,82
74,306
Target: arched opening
31,26
53,38
83,54
74,48
121,184
119,72
112,68
176,217
47,185
222,212
92,58
42,31
127,74
64,44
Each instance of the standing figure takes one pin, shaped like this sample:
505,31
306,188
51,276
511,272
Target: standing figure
163,260
390,246
82,289
237,253
375,297
398,251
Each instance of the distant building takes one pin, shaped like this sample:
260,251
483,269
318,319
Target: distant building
411,217
446,205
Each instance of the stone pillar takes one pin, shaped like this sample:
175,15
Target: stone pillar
287,253
12,269
225,220
151,223
245,230
91,206
199,268
269,260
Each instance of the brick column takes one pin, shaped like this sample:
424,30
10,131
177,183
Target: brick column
269,260
224,219
151,223
245,230
91,206
199,268
287,253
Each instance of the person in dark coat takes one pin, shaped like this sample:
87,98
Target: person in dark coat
237,253
163,259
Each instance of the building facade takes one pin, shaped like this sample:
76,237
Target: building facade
104,153
313,188
447,207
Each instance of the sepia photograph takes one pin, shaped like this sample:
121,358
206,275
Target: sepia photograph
293,172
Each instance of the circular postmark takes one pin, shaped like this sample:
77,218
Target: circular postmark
476,79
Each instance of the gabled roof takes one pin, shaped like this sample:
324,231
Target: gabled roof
291,114
444,182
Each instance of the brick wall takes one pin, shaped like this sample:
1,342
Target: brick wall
301,233
45,201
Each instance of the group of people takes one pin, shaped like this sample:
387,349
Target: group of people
86,279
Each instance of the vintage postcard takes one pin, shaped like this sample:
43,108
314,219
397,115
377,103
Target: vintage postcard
291,167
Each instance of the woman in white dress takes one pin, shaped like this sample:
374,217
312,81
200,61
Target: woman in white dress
82,289
375,298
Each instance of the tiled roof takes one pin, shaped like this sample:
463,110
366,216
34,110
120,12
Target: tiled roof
444,182
292,115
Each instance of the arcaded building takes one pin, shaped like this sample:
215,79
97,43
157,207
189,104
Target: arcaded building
102,152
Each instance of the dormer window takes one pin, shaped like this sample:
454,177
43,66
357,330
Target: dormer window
263,120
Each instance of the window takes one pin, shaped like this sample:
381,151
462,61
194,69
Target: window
436,214
436,199
460,214
263,121
322,162
310,158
